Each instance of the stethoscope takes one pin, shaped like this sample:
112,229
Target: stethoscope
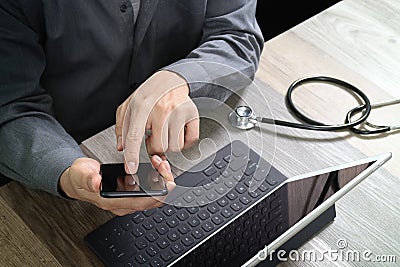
244,118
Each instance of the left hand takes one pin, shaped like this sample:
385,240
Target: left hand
162,105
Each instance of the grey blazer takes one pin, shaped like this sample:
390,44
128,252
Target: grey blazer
65,66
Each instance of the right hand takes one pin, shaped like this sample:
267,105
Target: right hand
82,181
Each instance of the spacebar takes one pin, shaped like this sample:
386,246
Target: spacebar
190,179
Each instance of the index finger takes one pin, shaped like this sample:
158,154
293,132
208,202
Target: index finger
135,124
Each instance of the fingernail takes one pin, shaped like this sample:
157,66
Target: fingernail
131,167
157,159
167,166
119,142
130,180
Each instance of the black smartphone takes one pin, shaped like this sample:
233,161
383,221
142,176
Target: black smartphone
117,183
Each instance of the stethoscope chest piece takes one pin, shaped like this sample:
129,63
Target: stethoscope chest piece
243,118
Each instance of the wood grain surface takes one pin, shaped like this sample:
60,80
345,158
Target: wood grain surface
355,40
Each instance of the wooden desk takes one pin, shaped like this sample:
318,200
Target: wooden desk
355,40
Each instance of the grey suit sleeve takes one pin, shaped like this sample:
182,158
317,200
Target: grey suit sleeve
228,53
34,148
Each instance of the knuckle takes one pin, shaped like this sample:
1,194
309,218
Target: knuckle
134,136
174,149
157,149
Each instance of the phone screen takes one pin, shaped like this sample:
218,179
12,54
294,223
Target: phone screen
146,182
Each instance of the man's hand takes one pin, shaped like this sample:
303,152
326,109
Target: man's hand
82,181
162,105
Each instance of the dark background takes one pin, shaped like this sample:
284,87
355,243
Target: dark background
275,17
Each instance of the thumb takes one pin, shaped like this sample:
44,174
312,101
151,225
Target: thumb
92,179
93,183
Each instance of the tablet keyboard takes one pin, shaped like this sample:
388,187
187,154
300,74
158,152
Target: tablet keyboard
222,212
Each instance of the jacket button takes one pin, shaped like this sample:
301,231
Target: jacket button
123,8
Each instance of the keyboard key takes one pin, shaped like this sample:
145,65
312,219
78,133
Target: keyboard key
212,195
152,236
229,182
263,187
207,226
231,195
152,250
201,201
128,252
222,202
217,179
141,243
226,212
260,174
141,258
187,240
183,228
182,215
276,202
166,255
156,262
163,243
158,218
227,173
173,236
198,191
203,214
245,200
275,212
149,224
127,225
240,189
162,229
227,158
197,233
254,194
217,219
193,210
237,152
117,233
208,186
210,171
271,180
238,164
137,217
172,222
238,177
169,211
251,168
236,206
178,203
137,231
213,208
149,212
193,221
250,184
177,248
188,197
220,164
